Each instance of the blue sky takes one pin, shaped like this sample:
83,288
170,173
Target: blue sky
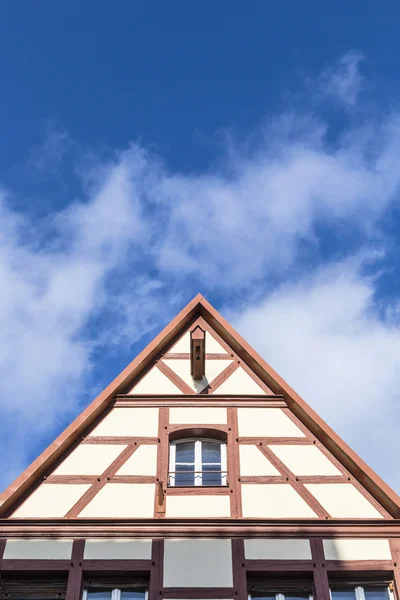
152,151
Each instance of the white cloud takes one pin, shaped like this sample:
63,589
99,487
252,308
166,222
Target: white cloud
97,274
343,82
326,336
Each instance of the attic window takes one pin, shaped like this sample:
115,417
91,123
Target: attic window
197,462
198,353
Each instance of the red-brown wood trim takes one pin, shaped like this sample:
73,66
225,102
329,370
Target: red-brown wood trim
36,565
395,551
302,479
174,378
84,420
248,400
220,379
239,570
294,482
117,565
101,481
359,565
233,461
74,585
162,463
276,441
320,575
271,566
172,428
199,491
119,440
3,543
186,356
134,479
202,527
198,593
156,570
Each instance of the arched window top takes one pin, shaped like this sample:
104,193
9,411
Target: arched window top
197,462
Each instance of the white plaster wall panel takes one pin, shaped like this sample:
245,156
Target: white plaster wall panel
305,460
357,549
212,369
122,500
266,422
274,501
142,462
252,462
89,459
212,346
155,382
182,346
198,506
117,549
198,416
343,500
277,549
38,549
240,383
135,422
51,500
202,563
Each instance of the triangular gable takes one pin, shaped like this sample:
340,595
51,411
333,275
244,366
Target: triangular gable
246,365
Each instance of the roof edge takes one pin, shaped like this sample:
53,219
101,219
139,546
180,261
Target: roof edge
374,484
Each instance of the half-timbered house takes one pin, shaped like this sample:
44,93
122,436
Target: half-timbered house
198,473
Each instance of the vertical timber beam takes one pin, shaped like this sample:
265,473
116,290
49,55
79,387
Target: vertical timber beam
395,550
157,570
2,549
75,575
233,464
162,463
320,575
239,570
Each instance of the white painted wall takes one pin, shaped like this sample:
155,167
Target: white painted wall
340,549
240,383
182,346
198,563
271,501
89,459
51,500
134,422
305,460
252,462
117,549
198,416
57,549
122,501
142,462
266,422
155,382
343,500
264,549
197,506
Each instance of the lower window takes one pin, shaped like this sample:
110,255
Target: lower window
368,591
113,594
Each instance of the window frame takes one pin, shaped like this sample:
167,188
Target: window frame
278,596
115,594
198,464
359,593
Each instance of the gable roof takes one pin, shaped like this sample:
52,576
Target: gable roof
200,307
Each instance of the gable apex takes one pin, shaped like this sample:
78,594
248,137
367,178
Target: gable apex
166,339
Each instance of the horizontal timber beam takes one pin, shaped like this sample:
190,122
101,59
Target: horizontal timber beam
194,528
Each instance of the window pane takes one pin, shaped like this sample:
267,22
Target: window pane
297,596
210,452
378,593
98,595
184,452
343,594
211,474
184,475
131,595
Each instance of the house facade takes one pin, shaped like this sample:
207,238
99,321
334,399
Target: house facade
198,473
